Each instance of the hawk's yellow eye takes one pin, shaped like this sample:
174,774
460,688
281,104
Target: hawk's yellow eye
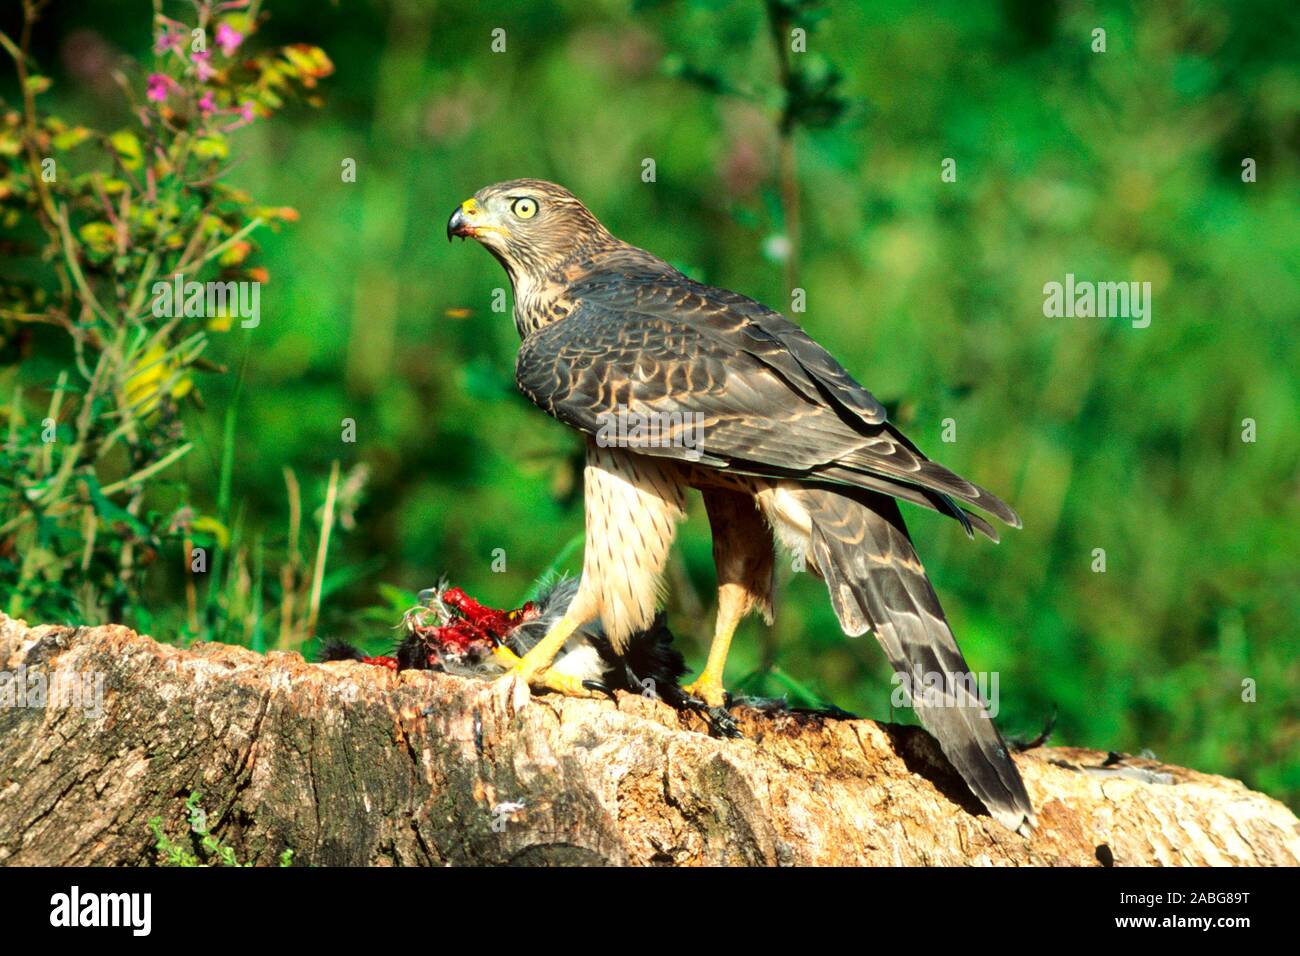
524,208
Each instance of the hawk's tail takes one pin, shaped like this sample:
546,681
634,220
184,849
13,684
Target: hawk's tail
861,547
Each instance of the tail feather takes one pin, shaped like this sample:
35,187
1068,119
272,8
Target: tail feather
861,547
912,467
925,497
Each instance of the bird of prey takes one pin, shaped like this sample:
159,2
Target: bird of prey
714,391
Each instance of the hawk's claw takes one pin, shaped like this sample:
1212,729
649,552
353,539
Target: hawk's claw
565,684
545,678
720,721
599,688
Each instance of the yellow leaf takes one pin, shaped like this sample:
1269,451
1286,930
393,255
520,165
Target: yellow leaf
208,525
71,138
99,236
240,22
146,378
10,145
211,147
128,148
236,254
310,61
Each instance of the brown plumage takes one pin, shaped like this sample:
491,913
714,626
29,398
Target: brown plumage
773,431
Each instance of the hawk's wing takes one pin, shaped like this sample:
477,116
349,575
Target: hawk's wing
758,394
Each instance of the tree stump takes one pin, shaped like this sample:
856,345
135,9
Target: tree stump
346,763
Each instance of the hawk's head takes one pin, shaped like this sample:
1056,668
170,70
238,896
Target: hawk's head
531,225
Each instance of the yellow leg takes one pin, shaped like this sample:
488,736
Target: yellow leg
708,686
534,667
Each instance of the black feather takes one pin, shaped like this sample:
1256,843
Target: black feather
337,649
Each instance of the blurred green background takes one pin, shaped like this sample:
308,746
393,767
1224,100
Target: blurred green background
1115,166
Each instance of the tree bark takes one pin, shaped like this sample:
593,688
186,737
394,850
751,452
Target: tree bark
346,763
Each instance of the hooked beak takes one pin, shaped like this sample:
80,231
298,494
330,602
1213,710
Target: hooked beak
470,221
459,224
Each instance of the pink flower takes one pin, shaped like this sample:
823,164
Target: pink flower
167,40
202,67
228,38
245,112
157,87
207,103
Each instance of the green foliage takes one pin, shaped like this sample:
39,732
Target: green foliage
206,849
103,222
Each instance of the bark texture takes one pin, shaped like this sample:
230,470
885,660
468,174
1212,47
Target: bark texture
346,763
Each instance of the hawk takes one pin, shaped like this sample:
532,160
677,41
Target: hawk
783,444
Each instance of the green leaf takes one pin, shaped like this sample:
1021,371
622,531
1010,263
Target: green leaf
109,511
399,599
553,570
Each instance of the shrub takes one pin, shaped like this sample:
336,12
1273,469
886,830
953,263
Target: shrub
102,225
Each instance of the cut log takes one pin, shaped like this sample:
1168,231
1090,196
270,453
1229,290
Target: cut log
346,763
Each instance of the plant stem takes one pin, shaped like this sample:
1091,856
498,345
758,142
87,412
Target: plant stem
322,551
289,570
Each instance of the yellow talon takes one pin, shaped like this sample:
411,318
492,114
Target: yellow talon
534,668
708,686
546,679
506,657
709,689
565,684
